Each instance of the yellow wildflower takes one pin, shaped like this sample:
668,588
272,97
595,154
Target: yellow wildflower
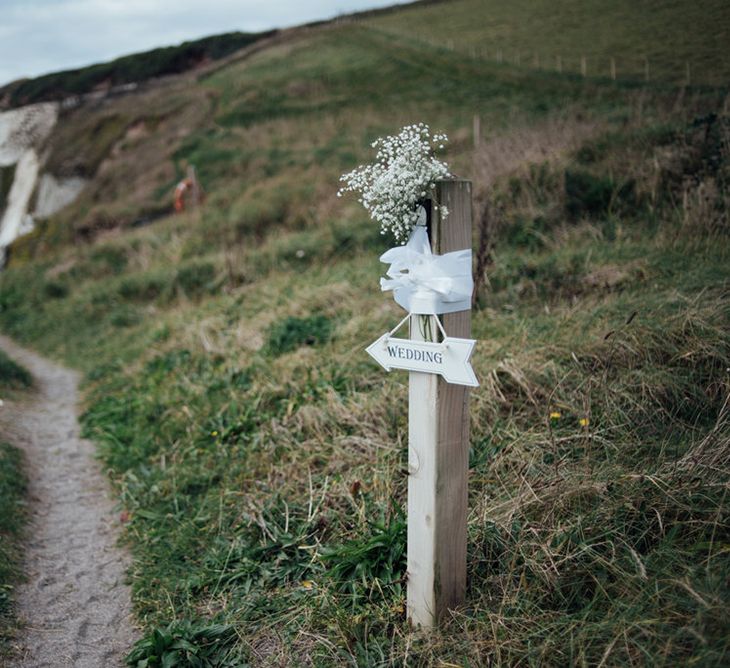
584,422
554,415
307,584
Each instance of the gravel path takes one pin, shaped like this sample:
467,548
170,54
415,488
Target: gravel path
75,606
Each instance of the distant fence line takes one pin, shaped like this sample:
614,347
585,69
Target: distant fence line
616,68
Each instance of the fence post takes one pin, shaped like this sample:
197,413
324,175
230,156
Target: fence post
194,185
438,444
477,130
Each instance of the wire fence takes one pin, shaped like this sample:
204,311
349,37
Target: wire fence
623,67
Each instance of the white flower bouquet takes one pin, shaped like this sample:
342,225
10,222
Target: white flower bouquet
403,175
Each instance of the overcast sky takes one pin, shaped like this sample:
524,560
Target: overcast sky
39,36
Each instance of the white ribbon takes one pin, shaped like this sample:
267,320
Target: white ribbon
428,284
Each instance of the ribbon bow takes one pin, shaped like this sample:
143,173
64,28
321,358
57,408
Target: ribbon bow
428,284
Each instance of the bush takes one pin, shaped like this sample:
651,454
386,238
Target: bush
55,289
112,258
593,196
196,278
144,287
12,374
125,316
290,333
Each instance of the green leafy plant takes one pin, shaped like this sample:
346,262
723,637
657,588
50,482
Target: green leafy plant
367,562
185,645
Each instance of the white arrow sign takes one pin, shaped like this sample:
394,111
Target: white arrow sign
450,358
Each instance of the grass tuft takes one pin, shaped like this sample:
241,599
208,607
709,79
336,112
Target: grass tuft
12,375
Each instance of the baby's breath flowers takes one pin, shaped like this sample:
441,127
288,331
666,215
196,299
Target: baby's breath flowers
404,173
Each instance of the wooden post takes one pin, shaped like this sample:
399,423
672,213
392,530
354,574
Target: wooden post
477,130
194,185
438,444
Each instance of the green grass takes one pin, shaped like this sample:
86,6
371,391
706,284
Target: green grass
12,375
261,455
669,34
12,521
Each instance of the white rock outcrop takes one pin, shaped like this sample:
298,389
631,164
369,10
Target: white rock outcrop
23,132
53,194
24,128
15,220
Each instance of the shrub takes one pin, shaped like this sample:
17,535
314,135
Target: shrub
195,278
112,258
144,287
55,290
12,374
590,195
125,316
290,333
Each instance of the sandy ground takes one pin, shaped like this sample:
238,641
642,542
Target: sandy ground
75,606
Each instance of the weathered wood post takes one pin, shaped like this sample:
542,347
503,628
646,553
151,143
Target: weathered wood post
438,443
477,130
194,185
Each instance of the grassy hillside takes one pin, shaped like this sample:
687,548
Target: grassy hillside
538,32
260,455
135,68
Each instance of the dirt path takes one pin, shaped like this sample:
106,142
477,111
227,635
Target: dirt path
75,605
